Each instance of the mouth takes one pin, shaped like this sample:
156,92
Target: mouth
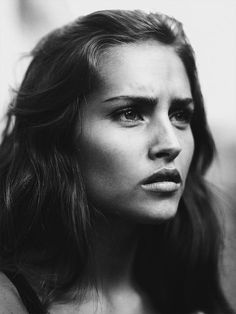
163,181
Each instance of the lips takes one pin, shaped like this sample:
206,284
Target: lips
164,180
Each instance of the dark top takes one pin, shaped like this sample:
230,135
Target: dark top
28,296
26,293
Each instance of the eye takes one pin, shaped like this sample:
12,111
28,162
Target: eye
182,118
128,116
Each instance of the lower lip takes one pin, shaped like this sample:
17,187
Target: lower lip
162,187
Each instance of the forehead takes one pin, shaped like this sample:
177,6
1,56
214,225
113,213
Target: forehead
143,68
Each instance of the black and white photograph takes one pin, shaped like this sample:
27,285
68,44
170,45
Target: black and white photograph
117,157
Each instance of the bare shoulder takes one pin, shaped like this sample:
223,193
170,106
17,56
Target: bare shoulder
10,301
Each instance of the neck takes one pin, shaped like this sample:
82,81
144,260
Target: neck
114,247
110,269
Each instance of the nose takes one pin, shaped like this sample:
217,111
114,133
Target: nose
165,143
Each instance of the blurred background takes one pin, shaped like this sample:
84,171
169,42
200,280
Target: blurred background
211,28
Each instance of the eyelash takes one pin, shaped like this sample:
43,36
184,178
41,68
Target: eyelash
183,116
121,113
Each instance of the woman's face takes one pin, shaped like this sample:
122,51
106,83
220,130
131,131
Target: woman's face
136,144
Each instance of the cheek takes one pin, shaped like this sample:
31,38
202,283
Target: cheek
107,157
187,153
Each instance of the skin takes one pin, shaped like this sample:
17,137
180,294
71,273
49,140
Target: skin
119,150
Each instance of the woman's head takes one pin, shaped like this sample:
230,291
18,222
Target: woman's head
68,66
49,148
136,143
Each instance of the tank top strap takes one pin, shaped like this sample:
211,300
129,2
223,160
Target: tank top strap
26,293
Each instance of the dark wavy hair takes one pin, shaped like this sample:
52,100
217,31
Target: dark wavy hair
45,218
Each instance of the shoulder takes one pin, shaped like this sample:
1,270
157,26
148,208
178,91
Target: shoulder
10,301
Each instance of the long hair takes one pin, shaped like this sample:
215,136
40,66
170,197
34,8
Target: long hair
45,219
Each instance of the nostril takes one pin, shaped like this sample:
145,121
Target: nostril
164,153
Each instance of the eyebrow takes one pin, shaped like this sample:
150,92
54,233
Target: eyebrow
182,101
134,99
142,100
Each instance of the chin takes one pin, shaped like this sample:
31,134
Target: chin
158,214
156,210
145,210
147,214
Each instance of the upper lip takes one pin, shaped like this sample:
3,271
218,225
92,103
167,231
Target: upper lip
164,174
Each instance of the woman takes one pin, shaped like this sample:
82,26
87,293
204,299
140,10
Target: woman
104,206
